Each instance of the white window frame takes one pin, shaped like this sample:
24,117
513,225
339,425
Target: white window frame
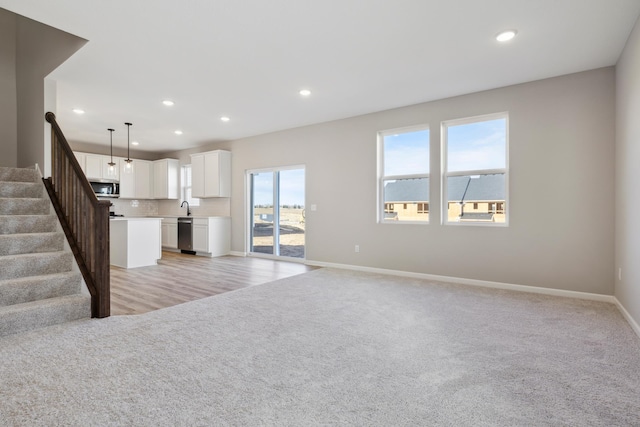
382,177
193,201
276,212
446,174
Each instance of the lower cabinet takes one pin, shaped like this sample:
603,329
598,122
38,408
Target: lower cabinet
170,233
201,235
212,235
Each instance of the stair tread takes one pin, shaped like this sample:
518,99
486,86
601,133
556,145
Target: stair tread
51,276
35,255
45,302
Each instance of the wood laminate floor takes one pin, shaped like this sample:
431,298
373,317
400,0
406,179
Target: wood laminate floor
180,278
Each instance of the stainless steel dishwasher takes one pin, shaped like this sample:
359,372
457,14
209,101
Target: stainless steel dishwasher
185,235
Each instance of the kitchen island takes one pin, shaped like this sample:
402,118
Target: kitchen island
135,242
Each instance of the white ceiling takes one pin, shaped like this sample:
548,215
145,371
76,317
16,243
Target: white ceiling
248,59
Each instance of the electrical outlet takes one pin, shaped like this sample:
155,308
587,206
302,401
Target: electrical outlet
357,248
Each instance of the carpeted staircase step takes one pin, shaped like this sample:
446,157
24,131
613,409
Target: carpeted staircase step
37,285
14,244
24,265
15,224
27,289
11,206
19,175
21,189
38,314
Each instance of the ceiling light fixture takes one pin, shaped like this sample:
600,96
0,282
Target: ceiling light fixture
167,102
178,132
78,111
305,92
505,36
135,143
128,168
225,118
112,165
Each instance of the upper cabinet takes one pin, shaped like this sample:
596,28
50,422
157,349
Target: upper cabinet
96,166
211,174
135,182
165,179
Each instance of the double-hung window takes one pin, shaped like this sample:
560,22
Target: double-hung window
403,172
186,186
475,170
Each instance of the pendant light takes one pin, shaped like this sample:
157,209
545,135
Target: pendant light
128,167
112,165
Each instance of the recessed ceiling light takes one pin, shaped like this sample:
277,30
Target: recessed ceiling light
305,92
78,111
135,143
505,36
225,118
178,132
167,102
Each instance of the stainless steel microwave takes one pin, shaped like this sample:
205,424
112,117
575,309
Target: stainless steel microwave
106,189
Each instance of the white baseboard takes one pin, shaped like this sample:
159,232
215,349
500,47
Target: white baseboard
627,316
473,282
236,253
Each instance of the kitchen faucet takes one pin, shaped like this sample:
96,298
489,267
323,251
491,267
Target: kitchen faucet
188,210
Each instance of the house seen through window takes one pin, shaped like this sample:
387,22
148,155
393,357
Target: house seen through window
404,175
475,169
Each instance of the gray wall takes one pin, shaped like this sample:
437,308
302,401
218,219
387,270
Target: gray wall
627,234
8,112
561,197
40,49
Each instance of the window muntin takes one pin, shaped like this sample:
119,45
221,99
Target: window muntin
186,187
404,178
475,172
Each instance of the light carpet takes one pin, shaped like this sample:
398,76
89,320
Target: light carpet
333,347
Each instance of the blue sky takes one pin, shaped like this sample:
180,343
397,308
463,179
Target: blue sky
406,153
472,146
291,187
480,145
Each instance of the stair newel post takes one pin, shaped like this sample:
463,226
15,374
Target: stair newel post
102,260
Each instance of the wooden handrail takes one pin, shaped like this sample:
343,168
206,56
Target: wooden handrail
84,218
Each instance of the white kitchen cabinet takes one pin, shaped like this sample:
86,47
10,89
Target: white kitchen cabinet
211,174
165,179
143,179
200,235
96,166
127,180
106,172
93,166
81,158
212,236
170,233
136,183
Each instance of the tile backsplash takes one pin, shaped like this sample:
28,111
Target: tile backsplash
134,207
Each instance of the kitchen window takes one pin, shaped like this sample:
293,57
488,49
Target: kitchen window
186,186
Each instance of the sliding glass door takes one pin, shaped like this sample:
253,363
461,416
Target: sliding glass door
277,223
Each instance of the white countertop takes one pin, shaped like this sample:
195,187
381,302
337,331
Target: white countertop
190,216
134,218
